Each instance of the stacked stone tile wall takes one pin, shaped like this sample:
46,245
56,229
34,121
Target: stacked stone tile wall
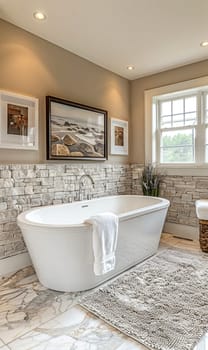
136,172
26,186
181,191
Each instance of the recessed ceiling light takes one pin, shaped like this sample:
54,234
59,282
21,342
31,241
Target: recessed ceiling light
130,67
204,43
39,15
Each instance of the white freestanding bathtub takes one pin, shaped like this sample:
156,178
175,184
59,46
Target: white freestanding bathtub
60,243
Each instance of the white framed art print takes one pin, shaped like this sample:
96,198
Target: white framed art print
18,121
119,137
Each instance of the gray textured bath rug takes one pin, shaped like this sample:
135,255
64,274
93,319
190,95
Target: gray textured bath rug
162,303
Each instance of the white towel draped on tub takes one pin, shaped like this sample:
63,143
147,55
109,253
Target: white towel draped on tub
105,236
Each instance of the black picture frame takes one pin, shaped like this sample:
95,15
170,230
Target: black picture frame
75,131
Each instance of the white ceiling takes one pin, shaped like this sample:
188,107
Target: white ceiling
152,35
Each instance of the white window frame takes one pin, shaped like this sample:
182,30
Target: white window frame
197,169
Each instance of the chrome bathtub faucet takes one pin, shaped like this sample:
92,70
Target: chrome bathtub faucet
82,184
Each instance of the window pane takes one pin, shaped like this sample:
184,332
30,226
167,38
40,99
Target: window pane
178,120
206,141
177,146
178,106
177,138
177,155
206,116
165,122
166,108
206,107
190,104
206,160
190,119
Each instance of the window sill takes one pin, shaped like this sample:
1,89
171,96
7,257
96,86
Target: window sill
184,169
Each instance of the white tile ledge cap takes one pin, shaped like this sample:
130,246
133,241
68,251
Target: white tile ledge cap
202,209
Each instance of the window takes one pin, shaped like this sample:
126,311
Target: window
176,124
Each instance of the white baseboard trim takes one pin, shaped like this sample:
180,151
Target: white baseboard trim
14,263
182,231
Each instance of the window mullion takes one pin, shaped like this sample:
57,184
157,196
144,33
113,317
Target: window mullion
158,134
200,131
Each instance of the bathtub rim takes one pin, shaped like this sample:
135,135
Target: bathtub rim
162,204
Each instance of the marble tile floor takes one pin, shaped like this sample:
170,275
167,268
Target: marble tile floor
33,317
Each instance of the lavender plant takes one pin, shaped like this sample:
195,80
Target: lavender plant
151,180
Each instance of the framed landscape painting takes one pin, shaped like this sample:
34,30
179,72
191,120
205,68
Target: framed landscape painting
75,131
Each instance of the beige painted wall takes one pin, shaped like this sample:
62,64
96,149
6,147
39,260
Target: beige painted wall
138,87
35,67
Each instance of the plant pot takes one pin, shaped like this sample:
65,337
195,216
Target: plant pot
154,192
